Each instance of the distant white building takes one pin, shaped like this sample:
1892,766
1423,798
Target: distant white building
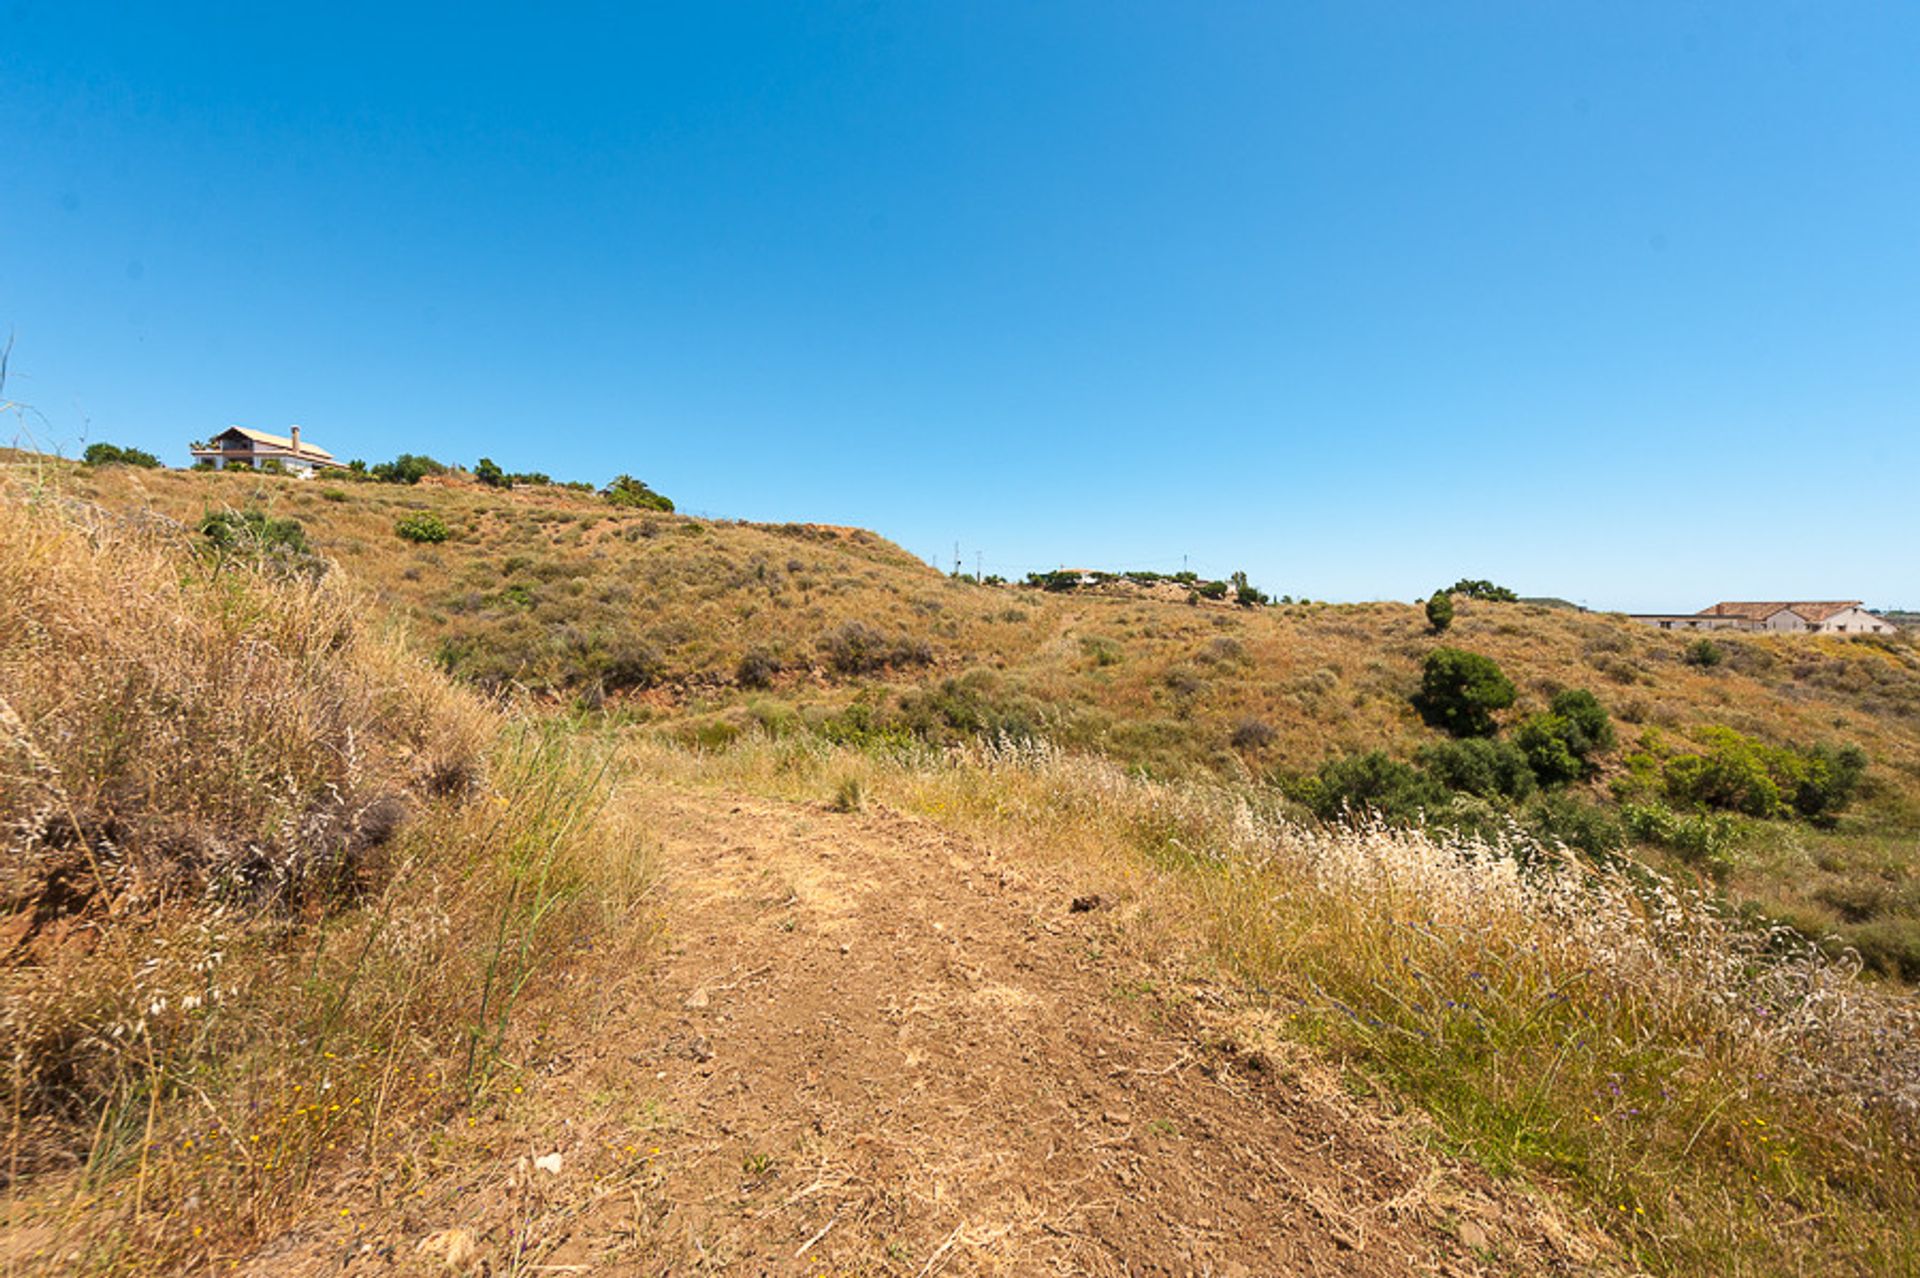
1826,616
239,446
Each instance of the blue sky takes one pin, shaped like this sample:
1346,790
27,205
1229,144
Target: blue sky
1614,301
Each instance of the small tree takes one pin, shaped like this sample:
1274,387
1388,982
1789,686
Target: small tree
1459,691
625,490
1440,611
1480,588
488,473
104,454
1704,653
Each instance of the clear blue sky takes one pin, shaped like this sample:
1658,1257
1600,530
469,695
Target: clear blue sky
1616,301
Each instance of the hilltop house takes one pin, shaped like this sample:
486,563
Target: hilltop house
238,446
1826,616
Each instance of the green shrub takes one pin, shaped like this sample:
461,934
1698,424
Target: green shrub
1704,653
257,536
1479,766
1888,946
104,454
1373,782
1104,652
407,468
1485,590
1585,827
333,494
422,526
1211,590
1559,743
1440,611
1056,582
1827,780
273,466
1459,691
627,491
1731,774
974,705
1736,773
1701,838
859,725
488,472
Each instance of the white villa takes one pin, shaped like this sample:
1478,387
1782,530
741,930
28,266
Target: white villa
238,446
1826,616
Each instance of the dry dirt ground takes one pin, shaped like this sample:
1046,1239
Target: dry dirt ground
868,1047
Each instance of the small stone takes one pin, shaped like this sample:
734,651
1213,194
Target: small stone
1473,1236
696,1000
455,1247
548,1163
1084,904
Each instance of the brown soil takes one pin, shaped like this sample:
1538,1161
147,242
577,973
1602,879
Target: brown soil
870,1048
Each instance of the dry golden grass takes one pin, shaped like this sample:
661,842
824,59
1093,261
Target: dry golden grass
274,889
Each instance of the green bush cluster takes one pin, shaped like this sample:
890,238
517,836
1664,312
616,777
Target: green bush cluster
1733,772
975,705
422,526
1560,742
1479,766
259,537
1243,591
407,468
1476,588
104,454
627,491
1701,838
1440,611
486,471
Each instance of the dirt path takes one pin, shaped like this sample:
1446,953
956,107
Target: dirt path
871,1048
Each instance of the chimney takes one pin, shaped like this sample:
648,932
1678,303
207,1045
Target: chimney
296,441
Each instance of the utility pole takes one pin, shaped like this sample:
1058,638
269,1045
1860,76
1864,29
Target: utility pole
979,569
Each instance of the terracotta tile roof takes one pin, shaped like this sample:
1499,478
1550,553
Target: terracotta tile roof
1813,610
280,442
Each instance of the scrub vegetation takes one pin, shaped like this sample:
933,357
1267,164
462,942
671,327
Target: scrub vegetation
303,818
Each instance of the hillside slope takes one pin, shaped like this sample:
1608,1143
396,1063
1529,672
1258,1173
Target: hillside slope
316,960
719,627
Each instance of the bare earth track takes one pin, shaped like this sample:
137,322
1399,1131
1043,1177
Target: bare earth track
872,1048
